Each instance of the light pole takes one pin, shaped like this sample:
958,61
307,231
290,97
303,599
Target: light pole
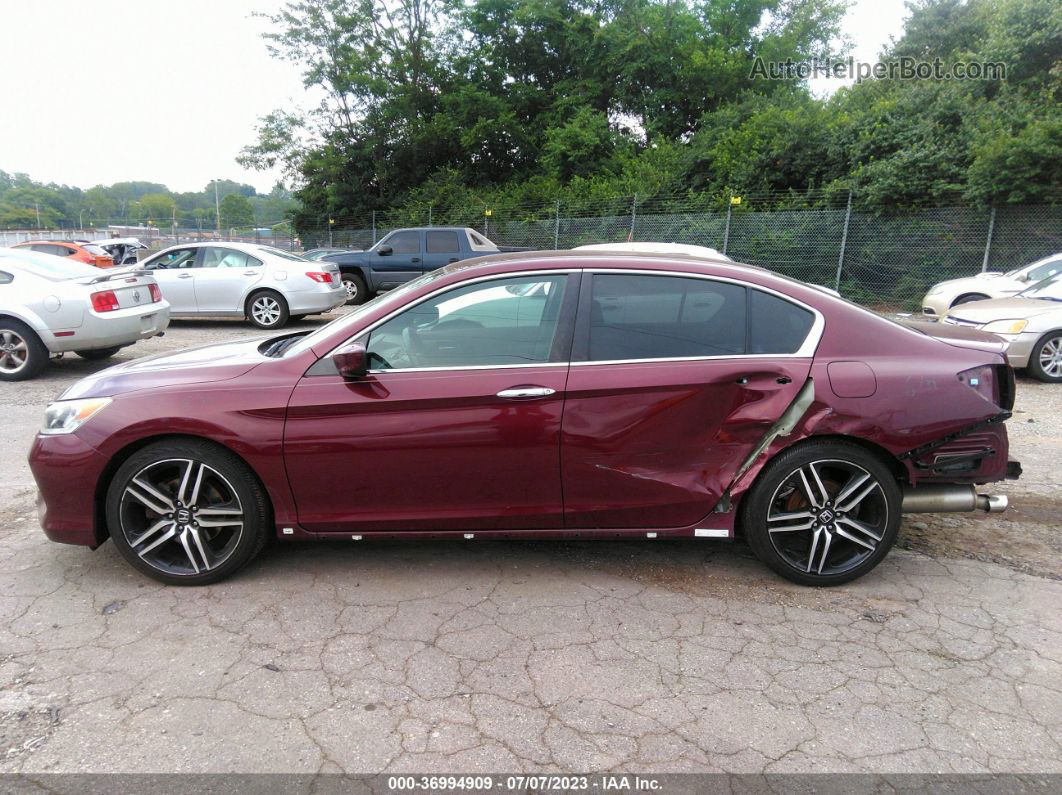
80,221
217,206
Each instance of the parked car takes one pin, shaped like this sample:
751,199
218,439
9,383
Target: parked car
1030,322
89,253
405,254
123,250
320,253
699,398
956,292
51,306
266,285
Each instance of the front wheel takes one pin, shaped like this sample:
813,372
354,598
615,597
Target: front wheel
823,513
1045,361
186,512
98,354
267,309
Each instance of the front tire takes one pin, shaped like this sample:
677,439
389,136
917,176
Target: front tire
823,513
186,512
1045,361
98,354
267,309
357,292
22,354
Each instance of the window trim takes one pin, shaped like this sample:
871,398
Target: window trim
806,350
582,332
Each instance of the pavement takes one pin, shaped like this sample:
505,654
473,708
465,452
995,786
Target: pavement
457,656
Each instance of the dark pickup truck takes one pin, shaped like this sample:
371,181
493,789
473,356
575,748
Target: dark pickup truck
405,254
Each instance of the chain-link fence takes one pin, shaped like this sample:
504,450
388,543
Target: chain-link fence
880,259
884,259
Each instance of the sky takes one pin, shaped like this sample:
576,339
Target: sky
102,91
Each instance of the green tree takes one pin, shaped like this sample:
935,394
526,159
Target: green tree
236,211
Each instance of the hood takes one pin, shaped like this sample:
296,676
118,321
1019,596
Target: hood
981,312
959,336
202,365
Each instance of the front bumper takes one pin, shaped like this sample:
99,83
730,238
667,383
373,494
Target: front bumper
935,307
67,470
1020,347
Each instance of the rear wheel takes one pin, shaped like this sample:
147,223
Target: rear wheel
357,292
823,513
267,309
22,354
968,299
186,512
99,353
1045,361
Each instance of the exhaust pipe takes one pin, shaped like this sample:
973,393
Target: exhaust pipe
949,498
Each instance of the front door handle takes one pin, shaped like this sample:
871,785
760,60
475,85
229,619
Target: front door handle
415,259
526,392
250,273
184,276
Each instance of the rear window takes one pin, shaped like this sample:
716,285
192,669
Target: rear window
98,251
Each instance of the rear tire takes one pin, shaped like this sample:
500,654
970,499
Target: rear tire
357,292
186,512
22,354
98,354
267,309
1045,360
823,513
969,299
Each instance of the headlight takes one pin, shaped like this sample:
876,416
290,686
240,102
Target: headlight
66,416
1006,326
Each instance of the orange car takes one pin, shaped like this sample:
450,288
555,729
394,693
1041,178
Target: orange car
82,252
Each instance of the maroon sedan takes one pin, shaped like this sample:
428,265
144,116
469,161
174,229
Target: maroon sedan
590,395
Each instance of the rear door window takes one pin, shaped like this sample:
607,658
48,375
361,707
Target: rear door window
776,325
442,243
664,317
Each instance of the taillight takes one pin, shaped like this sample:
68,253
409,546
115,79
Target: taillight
983,381
105,301
320,278
156,293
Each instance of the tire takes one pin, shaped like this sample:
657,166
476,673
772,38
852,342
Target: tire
98,354
969,299
267,309
22,354
357,292
1045,360
161,531
825,541
294,318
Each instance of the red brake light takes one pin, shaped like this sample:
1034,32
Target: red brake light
983,381
105,301
320,278
156,293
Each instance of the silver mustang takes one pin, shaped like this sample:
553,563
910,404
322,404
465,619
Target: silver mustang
1030,322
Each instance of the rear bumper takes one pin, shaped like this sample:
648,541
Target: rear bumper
115,330
308,301
67,470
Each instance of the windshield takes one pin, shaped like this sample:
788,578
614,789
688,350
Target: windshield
48,266
1050,289
389,298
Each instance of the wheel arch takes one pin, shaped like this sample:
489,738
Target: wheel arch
31,320
99,498
969,294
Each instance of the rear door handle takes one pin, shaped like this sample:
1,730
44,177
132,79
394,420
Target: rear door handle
250,273
526,392
184,276
415,259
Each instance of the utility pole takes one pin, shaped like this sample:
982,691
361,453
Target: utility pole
80,221
556,227
374,227
37,207
988,242
175,240
217,206
634,214
844,243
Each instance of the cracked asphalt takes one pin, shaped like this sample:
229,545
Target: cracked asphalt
536,656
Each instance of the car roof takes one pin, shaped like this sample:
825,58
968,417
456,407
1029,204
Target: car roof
656,248
46,242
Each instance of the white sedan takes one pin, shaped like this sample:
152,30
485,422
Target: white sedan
955,292
263,284
51,305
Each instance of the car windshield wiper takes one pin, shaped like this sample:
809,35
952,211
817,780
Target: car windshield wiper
279,346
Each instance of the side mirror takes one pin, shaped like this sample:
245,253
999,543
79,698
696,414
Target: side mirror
385,251
351,360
